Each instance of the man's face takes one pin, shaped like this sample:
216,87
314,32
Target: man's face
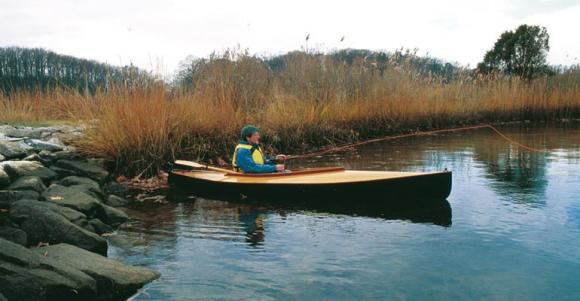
255,138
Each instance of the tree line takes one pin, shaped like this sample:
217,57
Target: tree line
521,52
32,69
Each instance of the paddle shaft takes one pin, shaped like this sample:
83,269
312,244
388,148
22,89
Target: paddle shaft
199,165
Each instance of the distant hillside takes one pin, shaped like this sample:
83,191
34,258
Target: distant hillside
36,68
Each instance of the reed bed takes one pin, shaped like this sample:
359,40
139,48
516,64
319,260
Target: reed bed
312,102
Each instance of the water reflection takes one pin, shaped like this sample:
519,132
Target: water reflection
187,218
517,175
516,215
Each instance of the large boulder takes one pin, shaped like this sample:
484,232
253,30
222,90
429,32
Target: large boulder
113,216
14,149
28,183
90,186
42,225
13,234
68,213
28,275
17,169
74,197
4,178
115,280
85,169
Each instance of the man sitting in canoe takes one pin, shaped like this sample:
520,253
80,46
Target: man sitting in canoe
248,156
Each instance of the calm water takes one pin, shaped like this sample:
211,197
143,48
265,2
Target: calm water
510,230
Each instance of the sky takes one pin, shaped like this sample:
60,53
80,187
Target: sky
158,35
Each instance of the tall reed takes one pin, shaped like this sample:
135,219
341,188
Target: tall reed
312,101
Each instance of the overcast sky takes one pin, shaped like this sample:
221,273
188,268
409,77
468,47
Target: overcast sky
159,34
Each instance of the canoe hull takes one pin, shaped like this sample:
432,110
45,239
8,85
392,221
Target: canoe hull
423,186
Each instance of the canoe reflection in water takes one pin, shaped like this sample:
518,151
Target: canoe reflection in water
247,222
253,212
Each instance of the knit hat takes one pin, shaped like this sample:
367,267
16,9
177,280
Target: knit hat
247,130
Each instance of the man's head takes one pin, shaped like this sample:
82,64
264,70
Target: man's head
250,134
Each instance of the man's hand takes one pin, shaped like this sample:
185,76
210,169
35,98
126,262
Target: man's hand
280,167
281,158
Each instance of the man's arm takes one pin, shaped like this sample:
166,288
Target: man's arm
247,164
278,159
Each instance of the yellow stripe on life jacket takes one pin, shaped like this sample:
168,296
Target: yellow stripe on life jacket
257,155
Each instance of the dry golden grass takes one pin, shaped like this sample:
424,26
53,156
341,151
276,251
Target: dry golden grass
310,103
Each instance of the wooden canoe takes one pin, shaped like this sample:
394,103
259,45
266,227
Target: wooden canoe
329,183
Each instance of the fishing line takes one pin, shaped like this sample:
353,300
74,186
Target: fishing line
351,145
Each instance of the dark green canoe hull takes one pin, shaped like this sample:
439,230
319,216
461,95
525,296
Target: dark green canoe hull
424,186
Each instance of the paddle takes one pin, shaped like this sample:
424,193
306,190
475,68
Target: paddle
203,166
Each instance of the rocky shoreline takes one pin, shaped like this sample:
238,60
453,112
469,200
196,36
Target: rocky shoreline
56,211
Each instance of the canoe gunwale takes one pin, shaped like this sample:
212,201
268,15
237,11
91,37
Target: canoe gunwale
185,173
292,173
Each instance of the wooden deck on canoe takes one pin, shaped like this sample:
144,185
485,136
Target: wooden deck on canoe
330,183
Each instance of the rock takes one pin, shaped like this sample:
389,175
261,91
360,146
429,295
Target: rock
28,168
113,216
116,201
24,132
99,227
56,140
90,186
4,178
5,220
42,225
14,235
29,275
115,280
36,158
7,197
63,172
74,197
28,183
70,136
97,162
2,298
119,189
40,145
96,173
66,155
68,213
47,157
2,158
11,149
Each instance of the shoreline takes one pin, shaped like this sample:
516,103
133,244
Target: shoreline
57,210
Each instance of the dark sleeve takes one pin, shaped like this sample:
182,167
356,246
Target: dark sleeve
245,161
